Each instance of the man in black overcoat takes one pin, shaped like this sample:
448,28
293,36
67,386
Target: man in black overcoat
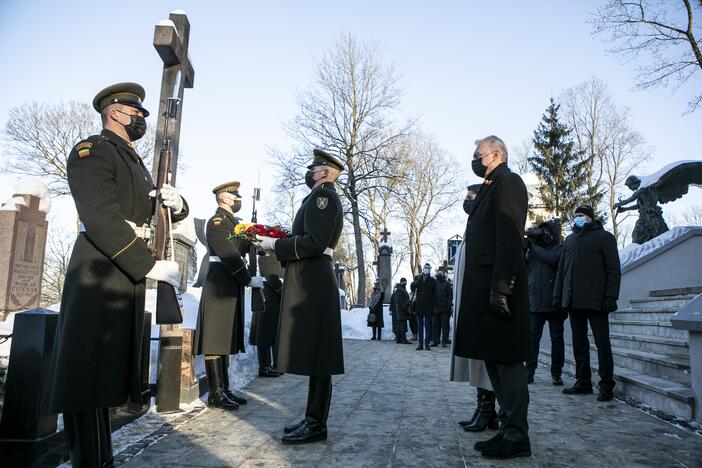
399,308
494,324
96,362
264,332
424,306
587,286
219,330
310,317
442,311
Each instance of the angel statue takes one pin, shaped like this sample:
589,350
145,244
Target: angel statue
666,185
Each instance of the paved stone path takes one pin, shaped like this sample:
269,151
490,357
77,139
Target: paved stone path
395,407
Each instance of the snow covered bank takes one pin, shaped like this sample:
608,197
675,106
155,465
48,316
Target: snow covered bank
354,326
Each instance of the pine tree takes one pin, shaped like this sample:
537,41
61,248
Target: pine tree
559,167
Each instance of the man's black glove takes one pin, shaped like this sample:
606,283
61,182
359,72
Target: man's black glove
610,304
498,303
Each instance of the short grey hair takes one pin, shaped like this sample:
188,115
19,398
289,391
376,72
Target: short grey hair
496,144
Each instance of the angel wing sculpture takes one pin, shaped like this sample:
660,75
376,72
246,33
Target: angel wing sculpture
668,184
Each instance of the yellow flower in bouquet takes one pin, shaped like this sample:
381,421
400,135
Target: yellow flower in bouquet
240,229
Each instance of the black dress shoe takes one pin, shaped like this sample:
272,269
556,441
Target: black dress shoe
605,395
310,431
557,380
483,444
578,389
267,372
434,343
444,345
420,347
504,449
290,428
239,400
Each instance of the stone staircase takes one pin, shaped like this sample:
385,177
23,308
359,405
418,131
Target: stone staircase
651,358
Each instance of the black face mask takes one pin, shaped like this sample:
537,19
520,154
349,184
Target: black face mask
467,205
236,206
309,179
478,168
136,127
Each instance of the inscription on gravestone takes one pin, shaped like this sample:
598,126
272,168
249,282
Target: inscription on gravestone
23,229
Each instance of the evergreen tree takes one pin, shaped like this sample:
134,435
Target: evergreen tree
558,165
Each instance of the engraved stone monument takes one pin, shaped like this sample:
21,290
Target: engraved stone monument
23,228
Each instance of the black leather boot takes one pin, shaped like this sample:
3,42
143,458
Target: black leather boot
487,416
225,382
82,430
314,427
264,362
475,413
217,398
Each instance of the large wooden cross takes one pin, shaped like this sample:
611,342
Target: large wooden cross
171,39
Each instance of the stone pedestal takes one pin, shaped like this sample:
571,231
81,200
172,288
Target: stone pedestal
24,414
23,230
690,318
385,270
177,382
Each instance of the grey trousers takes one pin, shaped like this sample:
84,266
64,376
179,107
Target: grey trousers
509,381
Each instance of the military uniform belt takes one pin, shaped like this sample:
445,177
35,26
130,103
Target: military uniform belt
143,232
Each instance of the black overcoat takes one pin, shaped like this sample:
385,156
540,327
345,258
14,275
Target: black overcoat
96,361
495,262
589,269
425,295
376,306
310,314
399,303
444,297
220,317
264,329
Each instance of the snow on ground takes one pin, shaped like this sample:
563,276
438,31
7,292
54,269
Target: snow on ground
354,325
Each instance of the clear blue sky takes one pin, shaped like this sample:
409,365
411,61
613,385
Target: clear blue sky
468,69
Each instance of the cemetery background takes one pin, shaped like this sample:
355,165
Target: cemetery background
434,130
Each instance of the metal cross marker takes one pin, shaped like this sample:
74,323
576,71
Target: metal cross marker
385,233
171,39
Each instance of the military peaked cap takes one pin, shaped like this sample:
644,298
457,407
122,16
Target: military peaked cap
128,94
229,187
322,158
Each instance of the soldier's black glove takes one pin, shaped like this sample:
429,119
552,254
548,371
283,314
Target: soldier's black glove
610,304
498,303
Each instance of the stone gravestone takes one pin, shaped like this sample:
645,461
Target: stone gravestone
385,265
23,228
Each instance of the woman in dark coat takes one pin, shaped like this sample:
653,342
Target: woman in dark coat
220,320
375,306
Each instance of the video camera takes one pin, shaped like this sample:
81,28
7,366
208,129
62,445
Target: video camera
541,234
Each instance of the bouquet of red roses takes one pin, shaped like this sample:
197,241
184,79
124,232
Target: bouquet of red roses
249,231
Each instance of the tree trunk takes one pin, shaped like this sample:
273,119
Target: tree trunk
360,261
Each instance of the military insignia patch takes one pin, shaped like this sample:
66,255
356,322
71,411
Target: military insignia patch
83,149
217,221
322,202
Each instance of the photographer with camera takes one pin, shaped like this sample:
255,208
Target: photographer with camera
543,253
